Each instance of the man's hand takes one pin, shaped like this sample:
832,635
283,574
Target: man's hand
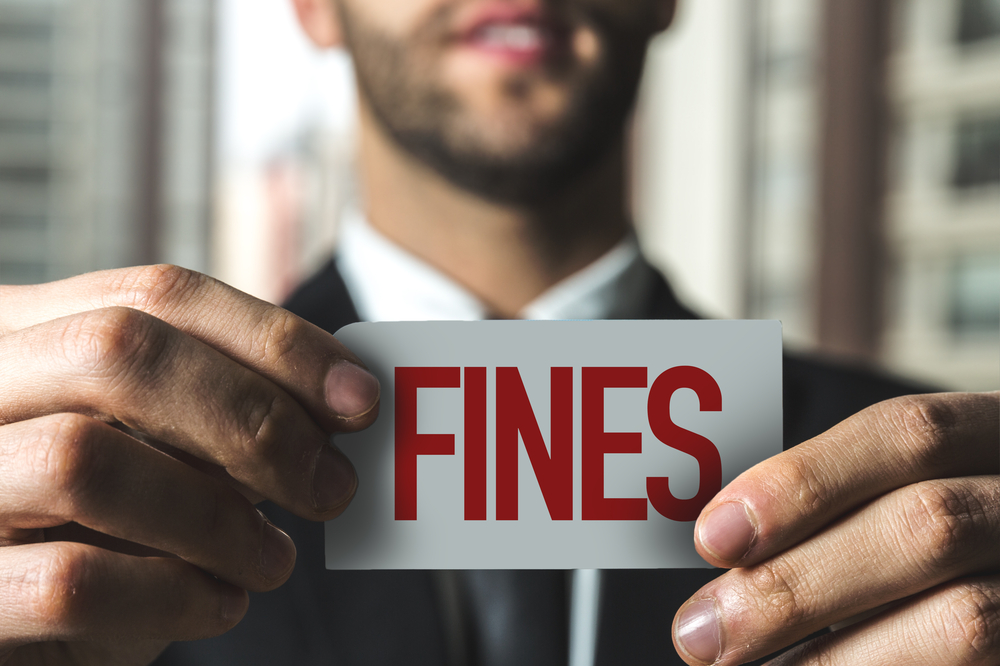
894,513
103,375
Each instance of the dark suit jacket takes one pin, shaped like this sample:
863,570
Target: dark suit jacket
398,617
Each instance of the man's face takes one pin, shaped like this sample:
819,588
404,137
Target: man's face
510,99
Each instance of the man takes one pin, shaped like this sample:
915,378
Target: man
491,154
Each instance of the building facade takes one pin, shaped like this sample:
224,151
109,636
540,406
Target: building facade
943,200
105,135
834,164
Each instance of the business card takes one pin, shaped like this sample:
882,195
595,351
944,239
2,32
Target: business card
552,444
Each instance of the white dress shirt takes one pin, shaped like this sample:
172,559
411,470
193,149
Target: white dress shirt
387,283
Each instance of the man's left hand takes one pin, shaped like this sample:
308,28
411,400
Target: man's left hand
888,523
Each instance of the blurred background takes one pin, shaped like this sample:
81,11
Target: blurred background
834,164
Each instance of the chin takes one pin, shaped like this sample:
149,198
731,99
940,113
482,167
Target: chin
509,129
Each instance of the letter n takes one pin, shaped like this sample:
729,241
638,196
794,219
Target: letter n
553,470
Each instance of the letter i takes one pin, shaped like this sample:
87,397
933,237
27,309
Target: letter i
475,443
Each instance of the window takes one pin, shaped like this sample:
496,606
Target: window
25,175
15,127
25,80
21,222
21,272
977,154
978,20
975,295
25,30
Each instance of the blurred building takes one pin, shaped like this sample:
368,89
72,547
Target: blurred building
286,136
943,206
105,123
692,144
834,164
783,111
277,221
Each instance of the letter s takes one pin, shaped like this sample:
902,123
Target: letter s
693,444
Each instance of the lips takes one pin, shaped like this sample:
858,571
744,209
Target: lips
522,34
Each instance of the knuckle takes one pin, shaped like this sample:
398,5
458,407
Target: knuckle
56,590
803,475
113,341
941,521
282,333
971,623
927,424
774,592
152,288
267,418
64,456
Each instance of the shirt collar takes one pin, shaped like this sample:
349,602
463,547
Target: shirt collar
387,283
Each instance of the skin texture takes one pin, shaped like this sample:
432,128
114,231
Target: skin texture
896,511
143,411
530,133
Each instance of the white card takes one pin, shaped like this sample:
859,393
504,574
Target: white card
552,444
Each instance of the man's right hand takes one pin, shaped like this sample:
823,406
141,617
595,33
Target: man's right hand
142,412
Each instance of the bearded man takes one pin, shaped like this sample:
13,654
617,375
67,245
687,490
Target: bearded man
492,135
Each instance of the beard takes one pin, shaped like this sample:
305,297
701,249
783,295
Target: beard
519,158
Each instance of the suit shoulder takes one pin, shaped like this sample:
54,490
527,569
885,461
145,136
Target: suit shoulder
820,392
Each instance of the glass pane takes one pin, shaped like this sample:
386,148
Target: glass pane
977,152
978,20
20,127
21,272
975,295
25,175
20,222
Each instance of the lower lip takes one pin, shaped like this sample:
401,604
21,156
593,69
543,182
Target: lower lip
530,56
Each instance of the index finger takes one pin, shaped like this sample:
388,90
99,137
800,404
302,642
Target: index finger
329,381
789,497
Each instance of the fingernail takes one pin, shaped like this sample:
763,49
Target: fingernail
233,604
350,389
334,480
728,531
698,631
277,552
